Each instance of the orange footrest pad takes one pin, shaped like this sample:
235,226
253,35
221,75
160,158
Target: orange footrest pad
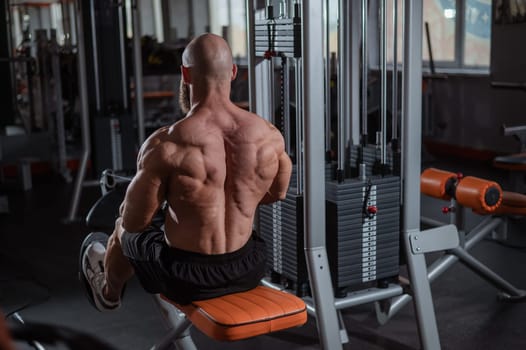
483,196
247,314
435,182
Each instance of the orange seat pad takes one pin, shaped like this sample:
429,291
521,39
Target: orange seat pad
247,314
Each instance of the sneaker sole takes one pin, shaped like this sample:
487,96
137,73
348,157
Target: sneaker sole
93,237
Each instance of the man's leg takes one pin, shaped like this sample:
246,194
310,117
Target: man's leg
104,268
118,269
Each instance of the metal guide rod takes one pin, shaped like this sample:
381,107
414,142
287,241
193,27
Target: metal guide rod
402,99
299,125
137,69
84,114
271,68
314,197
411,163
124,80
251,55
326,36
95,52
271,91
394,93
383,69
365,66
286,102
343,81
355,9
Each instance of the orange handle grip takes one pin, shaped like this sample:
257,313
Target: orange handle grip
483,196
434,182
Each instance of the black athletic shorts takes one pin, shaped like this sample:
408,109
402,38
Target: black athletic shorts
185,276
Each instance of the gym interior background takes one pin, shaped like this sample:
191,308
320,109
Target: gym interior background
84,82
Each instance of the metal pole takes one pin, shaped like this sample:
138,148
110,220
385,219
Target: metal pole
485,273
314,202
365,66
394,111
299,125
251,55
286,102
328,126
59,111
137,68
355,15
271,91
66,23
383,83
122,36
343,84
94,52
411,163
85,127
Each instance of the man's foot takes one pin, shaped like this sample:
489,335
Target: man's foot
91,270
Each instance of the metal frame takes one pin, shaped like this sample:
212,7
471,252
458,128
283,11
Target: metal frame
411,164
314,195
137,69
84,114
322,304
83,95
460,253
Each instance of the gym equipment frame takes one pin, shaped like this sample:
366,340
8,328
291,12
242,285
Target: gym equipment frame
322,303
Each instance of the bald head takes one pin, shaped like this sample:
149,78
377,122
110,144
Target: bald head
209,57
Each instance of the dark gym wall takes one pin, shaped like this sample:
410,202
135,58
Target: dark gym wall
468,112
508,54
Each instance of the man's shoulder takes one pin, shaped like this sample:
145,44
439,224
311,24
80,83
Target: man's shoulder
158,144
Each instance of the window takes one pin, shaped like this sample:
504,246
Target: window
459,32
477,33
440,16
227,18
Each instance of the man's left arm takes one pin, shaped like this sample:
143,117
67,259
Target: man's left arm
145,194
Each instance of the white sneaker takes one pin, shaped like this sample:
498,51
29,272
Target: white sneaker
91,271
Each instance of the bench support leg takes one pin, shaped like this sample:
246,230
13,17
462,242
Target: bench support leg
179,335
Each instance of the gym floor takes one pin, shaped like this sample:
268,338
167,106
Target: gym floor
38,278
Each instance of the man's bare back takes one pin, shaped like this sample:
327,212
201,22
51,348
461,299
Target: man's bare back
218,164
213,168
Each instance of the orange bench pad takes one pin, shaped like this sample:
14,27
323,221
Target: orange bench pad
247,314
515,162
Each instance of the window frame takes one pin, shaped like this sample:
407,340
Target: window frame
457,66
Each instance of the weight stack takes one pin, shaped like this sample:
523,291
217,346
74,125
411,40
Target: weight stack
362,248
283,34
281,226
371,156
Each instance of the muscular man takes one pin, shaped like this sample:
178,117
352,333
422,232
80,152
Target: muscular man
212,169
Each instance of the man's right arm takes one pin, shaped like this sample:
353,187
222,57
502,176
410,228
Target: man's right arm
280,184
